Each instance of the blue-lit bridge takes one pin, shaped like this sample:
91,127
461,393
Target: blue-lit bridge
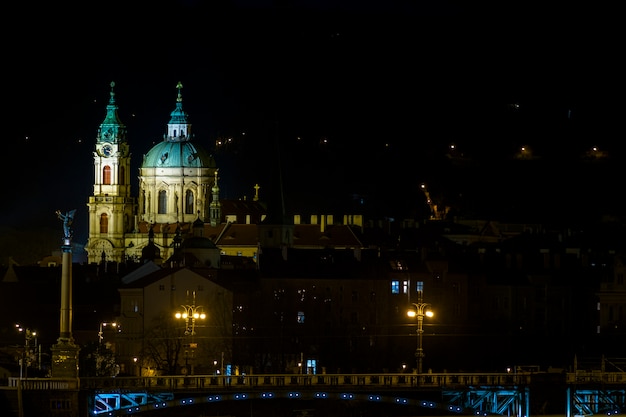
491,394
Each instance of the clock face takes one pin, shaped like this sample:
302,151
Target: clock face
107,150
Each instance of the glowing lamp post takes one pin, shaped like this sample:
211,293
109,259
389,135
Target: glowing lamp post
190,313
26,354
418,311
103,325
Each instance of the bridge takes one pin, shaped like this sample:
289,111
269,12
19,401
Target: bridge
485,394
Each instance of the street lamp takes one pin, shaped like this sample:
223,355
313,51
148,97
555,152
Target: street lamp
26,354
191,313
419,311
101,330
105,358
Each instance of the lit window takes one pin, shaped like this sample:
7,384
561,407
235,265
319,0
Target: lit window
104,223
395,287
300,316
189,202
162,202
106,175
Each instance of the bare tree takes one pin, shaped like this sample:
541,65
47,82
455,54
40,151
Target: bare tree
163,345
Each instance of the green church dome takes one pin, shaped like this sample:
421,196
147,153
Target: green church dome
172,154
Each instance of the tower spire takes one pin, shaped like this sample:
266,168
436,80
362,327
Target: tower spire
179,128
112,129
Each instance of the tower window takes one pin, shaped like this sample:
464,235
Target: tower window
189,202
122,176
106,175
104,223
162,202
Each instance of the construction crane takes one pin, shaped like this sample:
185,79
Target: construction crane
436,212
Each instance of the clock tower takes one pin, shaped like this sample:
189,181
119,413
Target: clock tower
111,207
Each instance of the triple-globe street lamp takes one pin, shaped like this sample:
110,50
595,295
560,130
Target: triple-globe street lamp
190,313
418,311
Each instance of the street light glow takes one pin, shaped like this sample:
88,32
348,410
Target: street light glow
191,313
412,313
420,310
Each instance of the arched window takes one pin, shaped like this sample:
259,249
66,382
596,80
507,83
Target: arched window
122,176
162,202
189,202
106,175
143,202
104,223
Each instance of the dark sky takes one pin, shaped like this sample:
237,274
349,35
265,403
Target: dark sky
406,77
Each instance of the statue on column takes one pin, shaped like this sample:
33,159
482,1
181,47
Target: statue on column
68,219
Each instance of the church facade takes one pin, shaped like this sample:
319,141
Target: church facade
177,186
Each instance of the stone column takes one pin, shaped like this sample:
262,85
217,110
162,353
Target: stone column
65,352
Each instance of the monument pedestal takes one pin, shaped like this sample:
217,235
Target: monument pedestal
64,360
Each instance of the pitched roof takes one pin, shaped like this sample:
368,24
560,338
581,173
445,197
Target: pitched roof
238,235
146,269
333,236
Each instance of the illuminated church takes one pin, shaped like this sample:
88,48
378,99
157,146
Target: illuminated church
177,187
179,197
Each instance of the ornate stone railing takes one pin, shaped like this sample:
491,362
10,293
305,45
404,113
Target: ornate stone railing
326,380
43,383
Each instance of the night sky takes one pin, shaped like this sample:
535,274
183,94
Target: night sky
370,91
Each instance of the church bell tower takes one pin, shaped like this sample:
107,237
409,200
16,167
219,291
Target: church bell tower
111,207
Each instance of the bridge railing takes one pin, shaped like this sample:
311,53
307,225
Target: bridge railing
594,377
207,382
43,383
261,381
